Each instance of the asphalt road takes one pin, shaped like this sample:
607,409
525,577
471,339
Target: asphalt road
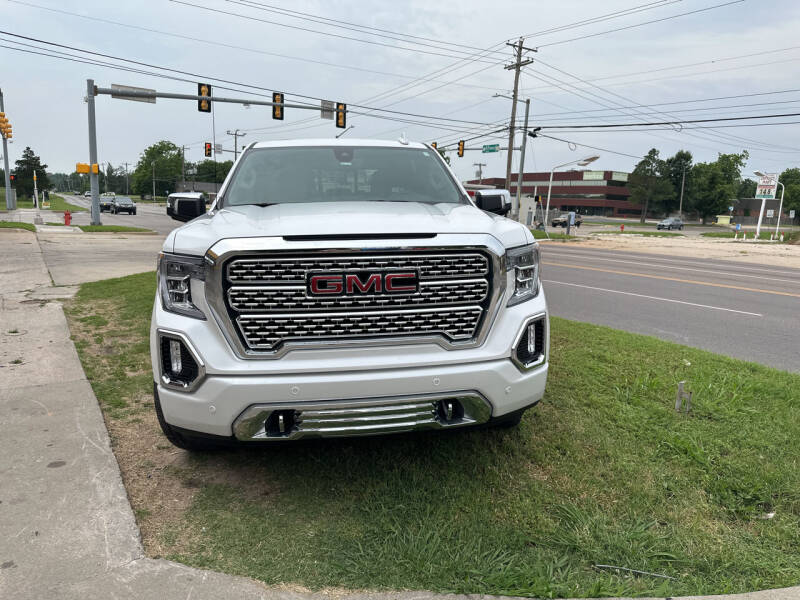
149,216
741,310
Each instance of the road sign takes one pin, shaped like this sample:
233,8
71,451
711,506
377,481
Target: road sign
770,213
217,148
490,148
767,185
791,214
118,91
328,107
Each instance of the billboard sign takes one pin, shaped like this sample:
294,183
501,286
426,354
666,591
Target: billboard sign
767,185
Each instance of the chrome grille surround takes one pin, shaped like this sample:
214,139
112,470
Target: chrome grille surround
228,301
368,416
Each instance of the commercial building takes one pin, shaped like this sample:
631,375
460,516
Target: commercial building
603,193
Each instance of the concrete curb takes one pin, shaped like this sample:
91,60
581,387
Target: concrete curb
67,529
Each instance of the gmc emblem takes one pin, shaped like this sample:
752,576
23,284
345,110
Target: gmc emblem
362,282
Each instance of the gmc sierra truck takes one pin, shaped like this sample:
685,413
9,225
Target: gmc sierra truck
343,288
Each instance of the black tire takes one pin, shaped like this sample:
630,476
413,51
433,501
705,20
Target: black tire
192,444
680,228
134,211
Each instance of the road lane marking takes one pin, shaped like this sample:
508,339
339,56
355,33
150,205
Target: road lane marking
692,281
787,271
660,266
589,287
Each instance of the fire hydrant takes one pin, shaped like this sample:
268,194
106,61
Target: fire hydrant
622,227
67,217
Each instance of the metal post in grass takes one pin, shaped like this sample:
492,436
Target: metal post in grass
94,181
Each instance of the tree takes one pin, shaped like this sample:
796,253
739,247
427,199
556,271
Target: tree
162,158
211,172
717,183
790,178
747,188
25,166
649,184
676,166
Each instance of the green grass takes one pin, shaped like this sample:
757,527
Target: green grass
618,223
538,234
57,203
112,229
16,225
603,472
789,237
643,233
53,223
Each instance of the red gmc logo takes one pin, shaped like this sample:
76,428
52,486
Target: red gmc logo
363,282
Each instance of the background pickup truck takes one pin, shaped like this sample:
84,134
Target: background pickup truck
563,220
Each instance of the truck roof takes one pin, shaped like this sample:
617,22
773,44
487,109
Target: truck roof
349,142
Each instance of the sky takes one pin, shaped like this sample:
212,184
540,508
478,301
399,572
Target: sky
726,61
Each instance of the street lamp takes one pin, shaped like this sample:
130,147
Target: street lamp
581,162
763,200
515,207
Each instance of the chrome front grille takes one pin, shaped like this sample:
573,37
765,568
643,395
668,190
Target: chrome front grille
268,302
430,266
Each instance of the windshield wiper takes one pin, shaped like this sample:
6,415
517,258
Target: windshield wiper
263,204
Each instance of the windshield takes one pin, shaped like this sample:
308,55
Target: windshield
339,174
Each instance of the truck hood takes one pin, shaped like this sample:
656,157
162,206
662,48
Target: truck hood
342,218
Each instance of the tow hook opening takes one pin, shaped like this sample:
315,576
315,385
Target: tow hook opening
449,410
280,423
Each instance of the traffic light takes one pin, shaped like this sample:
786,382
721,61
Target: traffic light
461,147
277,108
434,145
341,115
5,126
208,149
12,177
204,89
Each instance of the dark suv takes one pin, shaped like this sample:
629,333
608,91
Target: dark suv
123,204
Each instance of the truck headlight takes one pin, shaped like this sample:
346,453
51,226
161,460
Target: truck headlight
524,262
175,274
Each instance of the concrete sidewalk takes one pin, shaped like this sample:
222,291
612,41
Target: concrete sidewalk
67,530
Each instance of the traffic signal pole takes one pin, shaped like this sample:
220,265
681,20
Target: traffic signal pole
9,202
93,179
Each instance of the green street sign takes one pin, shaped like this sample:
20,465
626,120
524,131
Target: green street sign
490,148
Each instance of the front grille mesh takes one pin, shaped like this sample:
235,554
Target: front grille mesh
266,298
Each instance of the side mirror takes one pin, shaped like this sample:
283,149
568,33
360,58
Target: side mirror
492,203
185,209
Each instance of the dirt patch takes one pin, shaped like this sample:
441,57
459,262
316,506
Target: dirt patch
776,255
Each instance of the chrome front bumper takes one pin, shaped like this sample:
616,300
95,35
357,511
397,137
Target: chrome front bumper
262,422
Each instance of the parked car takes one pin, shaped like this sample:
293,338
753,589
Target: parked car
87,194
670,223
288,311
563,220
123,204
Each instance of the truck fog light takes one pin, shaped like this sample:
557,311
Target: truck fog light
532,338
175,357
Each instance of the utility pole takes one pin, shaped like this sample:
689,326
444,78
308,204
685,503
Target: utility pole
680,206
153,163
523,143
183,167
9,202
236,135
126,178
94,183
480,166
517,65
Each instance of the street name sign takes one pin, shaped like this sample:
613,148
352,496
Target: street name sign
487,148
118,91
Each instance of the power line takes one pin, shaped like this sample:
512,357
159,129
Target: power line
212,78
668,123
588,146
592,35
233,46
310,30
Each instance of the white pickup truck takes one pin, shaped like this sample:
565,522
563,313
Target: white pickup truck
342,288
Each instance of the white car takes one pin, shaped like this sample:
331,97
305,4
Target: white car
343,288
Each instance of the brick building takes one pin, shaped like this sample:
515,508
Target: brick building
602,193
